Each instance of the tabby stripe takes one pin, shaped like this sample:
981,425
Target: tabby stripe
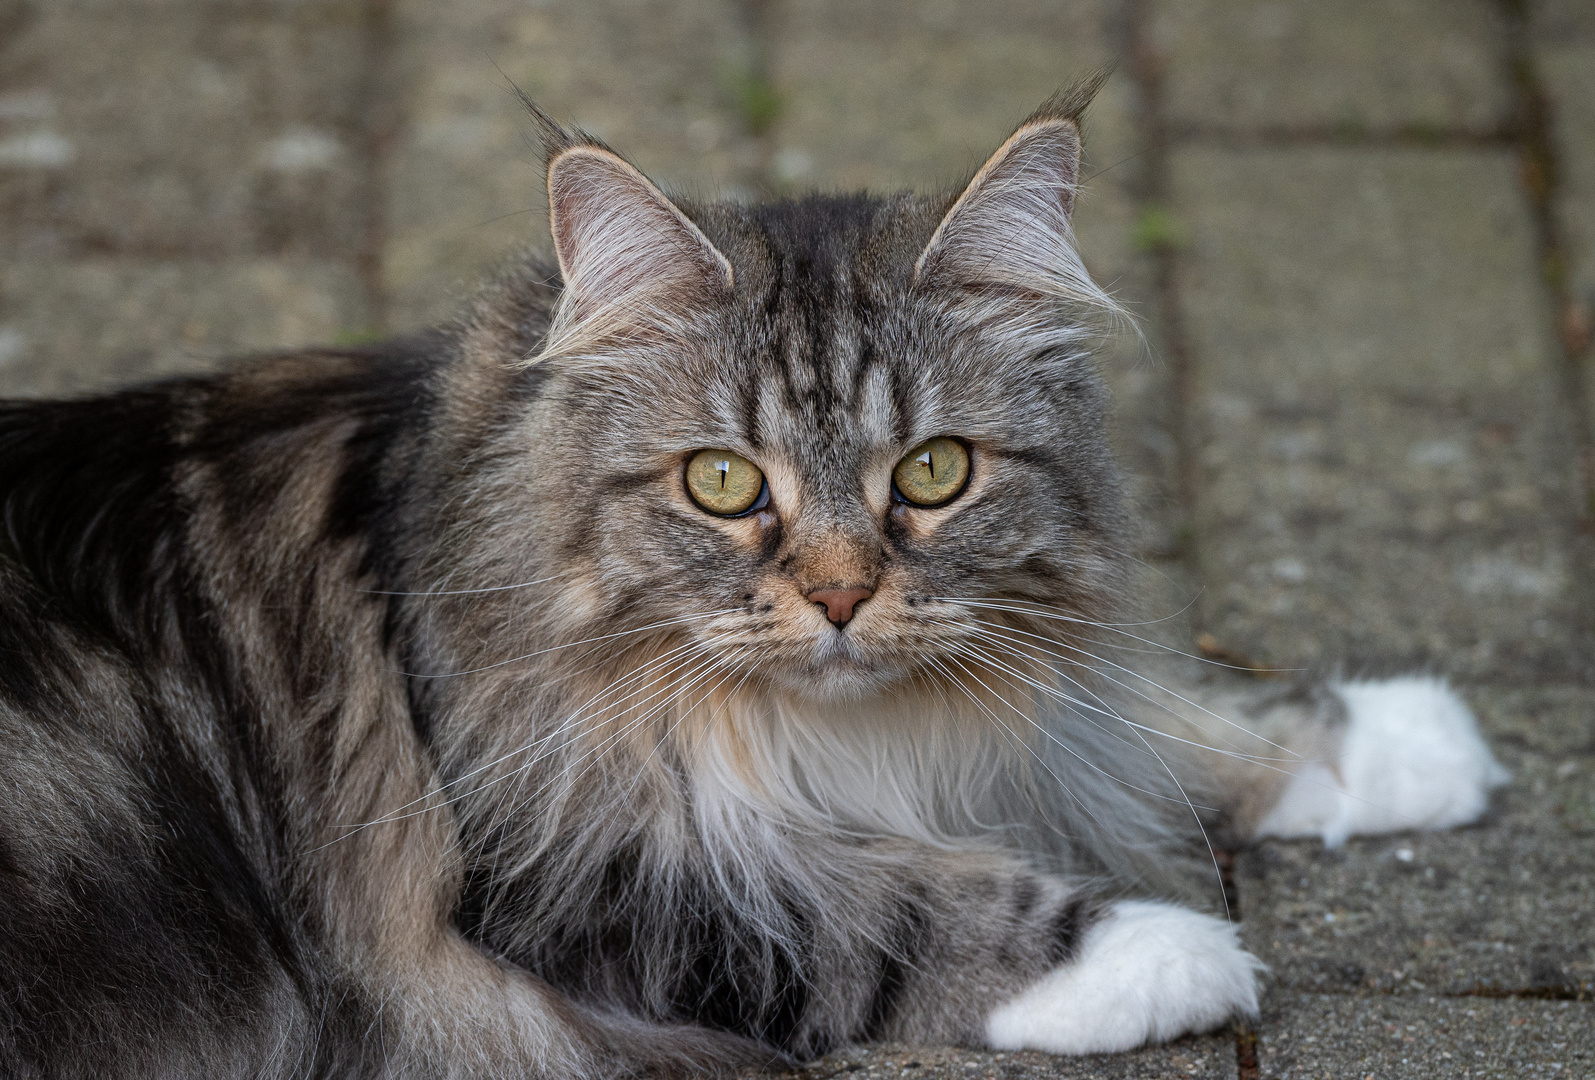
1069,925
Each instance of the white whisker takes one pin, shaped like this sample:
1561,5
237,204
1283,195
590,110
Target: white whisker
1054,738
998,720
1136,674
573,644
1114,714
397,814
1117,628
468,592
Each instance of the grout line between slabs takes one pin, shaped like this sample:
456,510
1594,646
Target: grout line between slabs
1541,177
760,109
1154,195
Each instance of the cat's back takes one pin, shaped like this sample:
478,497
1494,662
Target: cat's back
141,876
98,495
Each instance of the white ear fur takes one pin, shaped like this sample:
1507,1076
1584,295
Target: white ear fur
624,249
1010,227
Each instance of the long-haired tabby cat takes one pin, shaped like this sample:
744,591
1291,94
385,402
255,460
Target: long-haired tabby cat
696,654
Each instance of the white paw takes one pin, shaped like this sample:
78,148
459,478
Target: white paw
1145,973
1412,759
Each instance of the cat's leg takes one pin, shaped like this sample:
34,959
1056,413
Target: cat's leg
1335,759
1409,757
992,953
1145,972
386,892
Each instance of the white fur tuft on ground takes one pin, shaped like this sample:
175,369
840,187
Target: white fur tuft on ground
1412,758
1146,972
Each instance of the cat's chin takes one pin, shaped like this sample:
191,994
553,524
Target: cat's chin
838,681
841,669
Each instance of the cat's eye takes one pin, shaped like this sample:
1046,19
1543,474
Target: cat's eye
724,483
933,472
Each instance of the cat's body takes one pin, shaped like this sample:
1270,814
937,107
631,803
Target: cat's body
396,711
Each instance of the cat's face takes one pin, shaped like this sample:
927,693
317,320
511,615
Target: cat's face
821,444
825,396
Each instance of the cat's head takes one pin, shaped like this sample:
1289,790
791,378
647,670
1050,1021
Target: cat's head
818,443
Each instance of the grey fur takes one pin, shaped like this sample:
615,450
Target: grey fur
396,713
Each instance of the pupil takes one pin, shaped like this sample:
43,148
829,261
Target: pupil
929,462
725,471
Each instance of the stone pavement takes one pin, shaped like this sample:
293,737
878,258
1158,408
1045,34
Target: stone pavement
1360,237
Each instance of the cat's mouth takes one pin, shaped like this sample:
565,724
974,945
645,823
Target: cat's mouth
842,664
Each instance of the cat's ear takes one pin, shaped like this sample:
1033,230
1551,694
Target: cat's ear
622,245
1010,227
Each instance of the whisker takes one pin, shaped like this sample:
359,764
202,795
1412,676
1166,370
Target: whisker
520,771
571,721
752,669
1039,760
1009,737
596,753
1060,743
1045,611
1139,728
1136,674
397,814
1117,628
1102,707
511,800
1195,814
1015,735
572,644
468,592
1114,714
1218,872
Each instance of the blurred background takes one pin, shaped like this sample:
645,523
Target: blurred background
1360,237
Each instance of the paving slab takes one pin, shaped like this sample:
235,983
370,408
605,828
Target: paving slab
1503,906
665,83
1366,67
1561,22
1387,469
179,180
900,94
183,129
1430,1038
1488,909
1554,723
74,326
1205,1058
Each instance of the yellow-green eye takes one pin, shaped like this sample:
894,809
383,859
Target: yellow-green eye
933,472
722,482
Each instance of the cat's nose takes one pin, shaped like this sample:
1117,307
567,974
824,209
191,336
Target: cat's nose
839,603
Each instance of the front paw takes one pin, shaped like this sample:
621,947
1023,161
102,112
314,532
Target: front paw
1146,972
1412,758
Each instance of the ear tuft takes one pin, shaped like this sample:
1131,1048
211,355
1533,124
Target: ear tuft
1070,102
553,138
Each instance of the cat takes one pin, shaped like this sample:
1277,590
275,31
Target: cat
694,657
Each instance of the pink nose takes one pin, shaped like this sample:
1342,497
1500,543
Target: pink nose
839,603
